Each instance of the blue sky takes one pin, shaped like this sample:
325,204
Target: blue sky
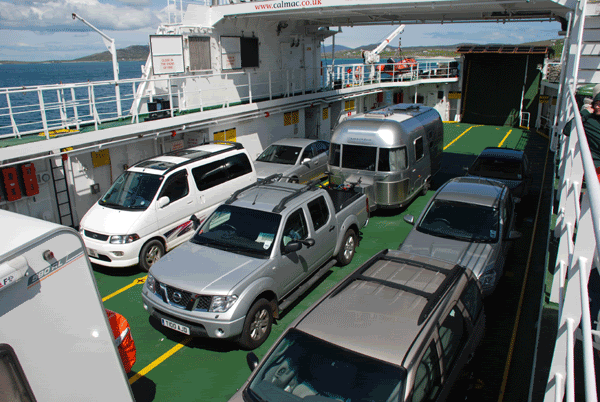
38,30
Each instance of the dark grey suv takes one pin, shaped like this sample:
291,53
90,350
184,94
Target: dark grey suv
399,328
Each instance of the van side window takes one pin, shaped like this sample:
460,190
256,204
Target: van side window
319,213
238,165
428,377
295,228
471,299
334,155
452,336
392,160
419,149
218,172
176,186
14,383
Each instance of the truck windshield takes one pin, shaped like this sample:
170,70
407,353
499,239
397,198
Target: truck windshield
240,230
283,154
461,221
132,190
302,366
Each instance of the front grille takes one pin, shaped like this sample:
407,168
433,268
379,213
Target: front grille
94,235
183,299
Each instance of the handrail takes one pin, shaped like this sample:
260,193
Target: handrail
86,105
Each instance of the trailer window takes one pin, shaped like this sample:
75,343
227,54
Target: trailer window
334,155
13,382
419,149
392,160
359,157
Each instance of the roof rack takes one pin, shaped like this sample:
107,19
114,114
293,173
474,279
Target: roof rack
432,298
234,145
310,186
267,180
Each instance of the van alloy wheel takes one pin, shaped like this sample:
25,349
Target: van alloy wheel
151,252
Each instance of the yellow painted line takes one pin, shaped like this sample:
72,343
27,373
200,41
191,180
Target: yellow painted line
505,137
158,361
464,132
138,281
522,296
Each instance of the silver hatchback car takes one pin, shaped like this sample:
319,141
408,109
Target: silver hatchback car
298,159
469,221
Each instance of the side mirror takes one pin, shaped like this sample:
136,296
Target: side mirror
195,221
513,235
163,201
252,361
305,161
292,247
409,219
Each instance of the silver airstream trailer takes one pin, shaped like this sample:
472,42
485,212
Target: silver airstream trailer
390,152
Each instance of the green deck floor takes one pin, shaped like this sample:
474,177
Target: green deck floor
209,370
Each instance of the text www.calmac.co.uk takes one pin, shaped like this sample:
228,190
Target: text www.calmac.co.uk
288,4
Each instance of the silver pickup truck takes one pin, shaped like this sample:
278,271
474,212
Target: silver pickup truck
257,253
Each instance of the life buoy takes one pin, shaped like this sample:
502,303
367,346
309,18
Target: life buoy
123,339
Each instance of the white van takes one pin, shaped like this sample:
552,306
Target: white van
156,204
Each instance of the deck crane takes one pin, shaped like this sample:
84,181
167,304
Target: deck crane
372,57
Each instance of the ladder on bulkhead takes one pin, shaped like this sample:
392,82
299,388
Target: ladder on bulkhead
61,191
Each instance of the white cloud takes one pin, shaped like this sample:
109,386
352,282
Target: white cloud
55,15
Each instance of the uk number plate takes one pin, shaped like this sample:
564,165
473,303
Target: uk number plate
92,253
175,326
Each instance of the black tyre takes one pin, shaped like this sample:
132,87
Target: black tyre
151,252
426,187
346,253
257,326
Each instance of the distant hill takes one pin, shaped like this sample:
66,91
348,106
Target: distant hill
131,53
140,52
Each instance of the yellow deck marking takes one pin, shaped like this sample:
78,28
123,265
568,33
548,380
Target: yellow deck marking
464,132
138,281
521,297
158,361
505,137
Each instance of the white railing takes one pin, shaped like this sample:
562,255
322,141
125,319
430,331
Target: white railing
578,231
51,108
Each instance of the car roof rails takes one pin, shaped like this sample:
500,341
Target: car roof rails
310,186
233,145
267,180
432,298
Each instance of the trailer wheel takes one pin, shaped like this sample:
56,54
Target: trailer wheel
257,325
346,253
151,252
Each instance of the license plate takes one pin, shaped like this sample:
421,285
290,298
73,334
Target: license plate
92,253
175,326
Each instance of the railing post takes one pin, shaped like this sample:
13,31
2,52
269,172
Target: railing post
249,87
586,331
75,112
12,118
171,108
43,113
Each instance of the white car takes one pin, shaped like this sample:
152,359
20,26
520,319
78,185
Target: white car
298,159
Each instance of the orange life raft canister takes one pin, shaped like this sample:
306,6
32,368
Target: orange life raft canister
123,339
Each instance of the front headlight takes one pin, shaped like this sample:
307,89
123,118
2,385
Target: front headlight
123,239
151,283
221,304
